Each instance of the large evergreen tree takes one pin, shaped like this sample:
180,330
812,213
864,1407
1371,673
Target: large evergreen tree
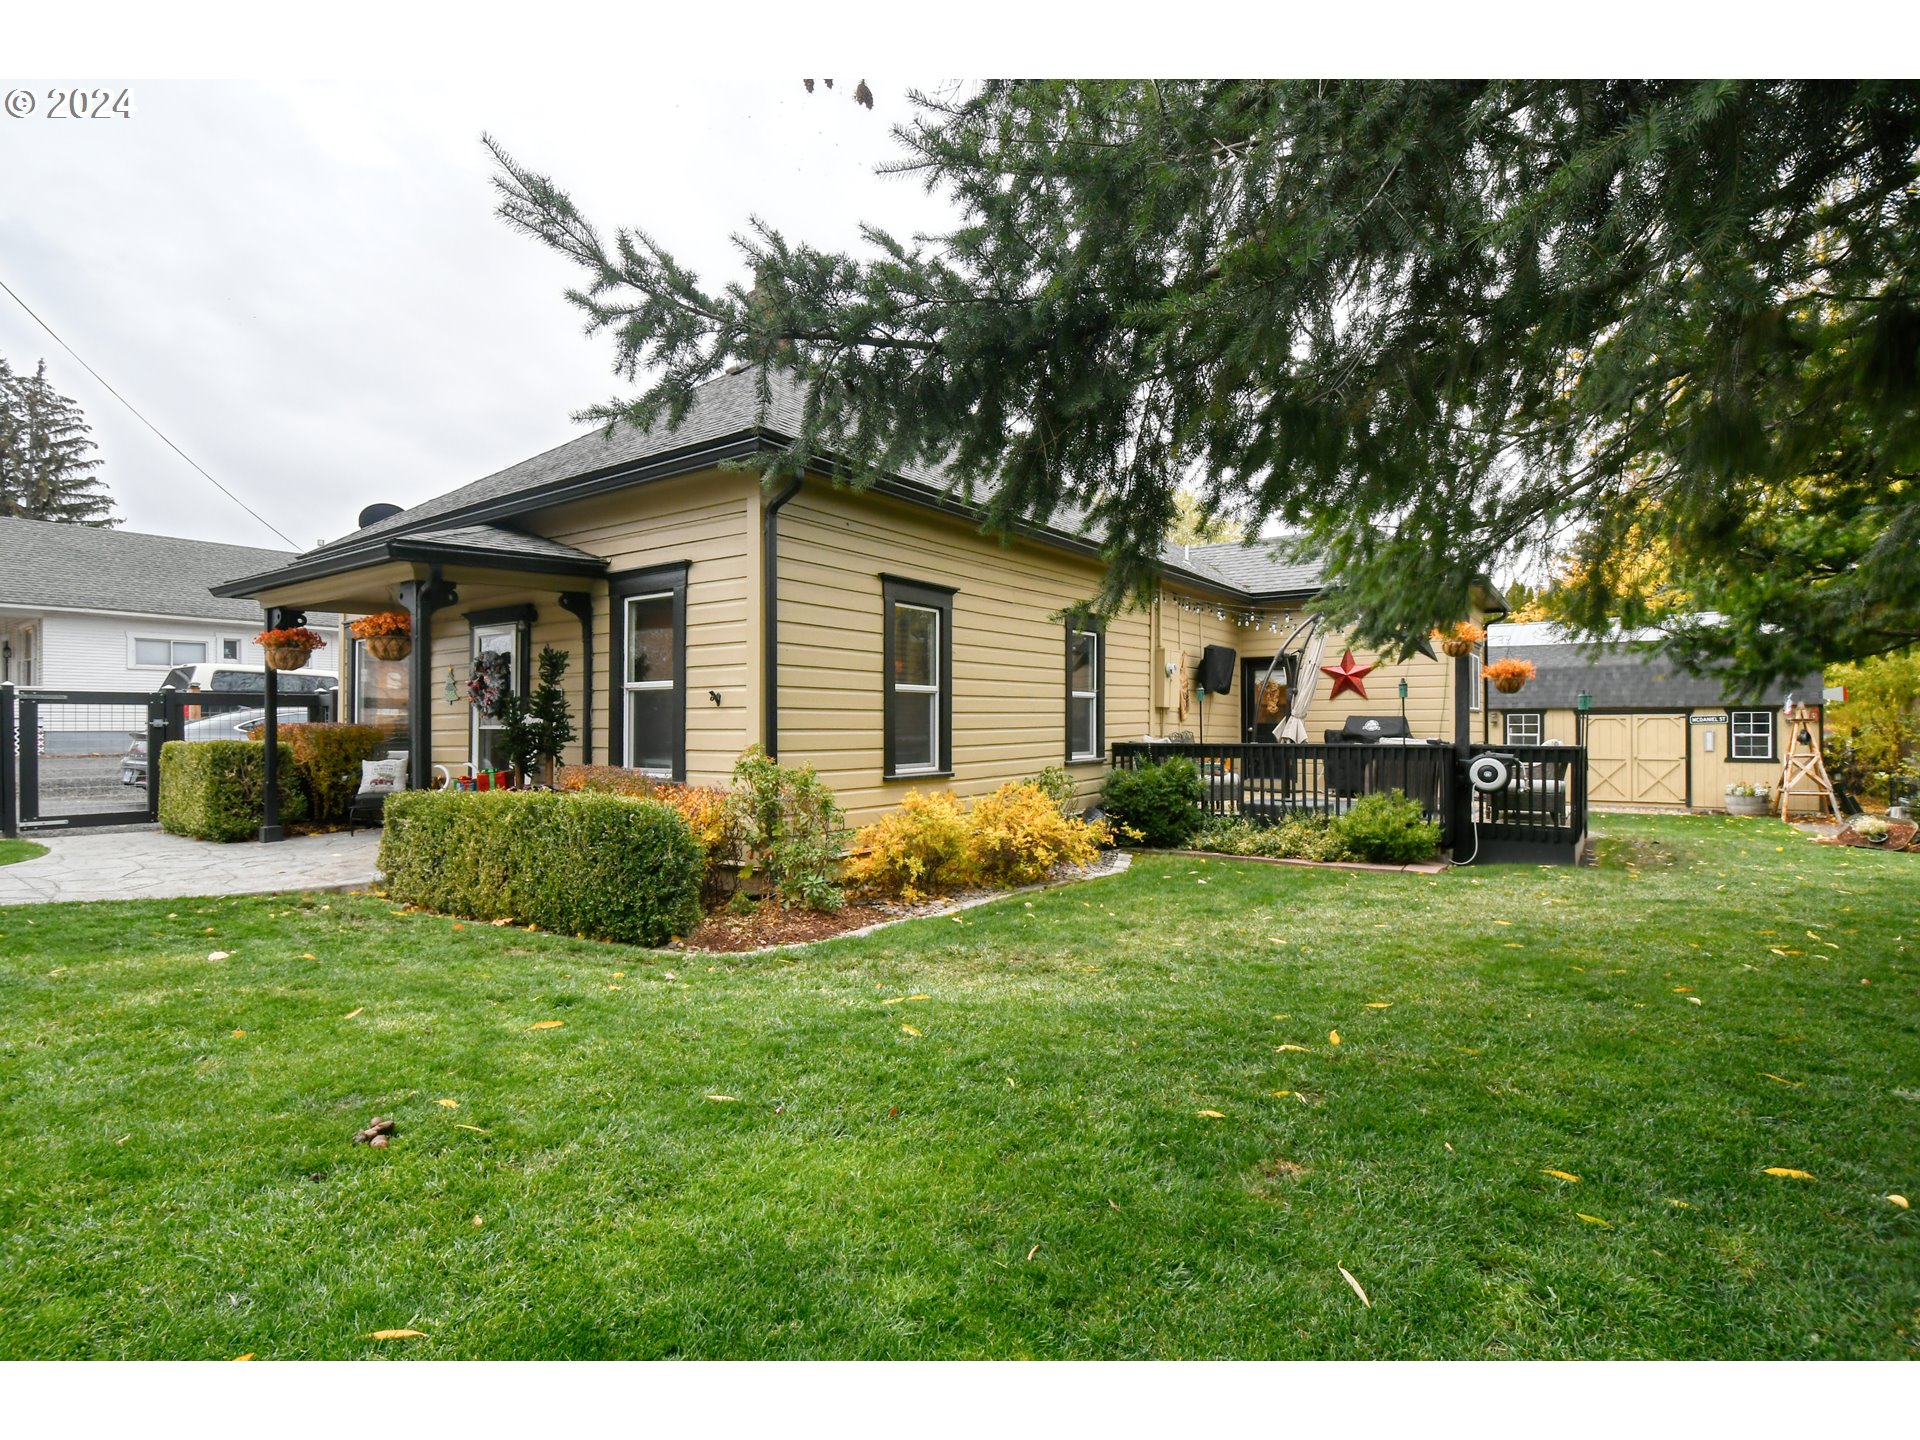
47,462
1426,325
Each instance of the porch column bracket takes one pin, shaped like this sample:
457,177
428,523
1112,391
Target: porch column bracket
422,598
579,604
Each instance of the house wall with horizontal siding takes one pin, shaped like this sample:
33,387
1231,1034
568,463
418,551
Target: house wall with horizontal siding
1009,647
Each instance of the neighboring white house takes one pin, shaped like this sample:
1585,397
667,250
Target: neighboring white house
94,609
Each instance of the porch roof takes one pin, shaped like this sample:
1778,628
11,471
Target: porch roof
492,547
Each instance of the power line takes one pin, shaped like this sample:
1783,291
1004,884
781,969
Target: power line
146,422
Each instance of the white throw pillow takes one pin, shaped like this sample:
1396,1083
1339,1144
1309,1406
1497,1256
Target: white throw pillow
382,777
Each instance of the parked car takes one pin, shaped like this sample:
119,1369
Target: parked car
229,676
227,725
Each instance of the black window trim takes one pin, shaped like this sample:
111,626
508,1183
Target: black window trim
897,590
1772,757
1088,625
654,580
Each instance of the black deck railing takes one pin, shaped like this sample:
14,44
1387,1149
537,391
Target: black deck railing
1541,815
1266,782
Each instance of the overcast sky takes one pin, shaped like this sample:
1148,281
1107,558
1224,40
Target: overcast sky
305,288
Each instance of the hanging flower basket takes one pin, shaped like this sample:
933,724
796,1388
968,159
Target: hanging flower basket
289,648
1459,638
1509,675
387,636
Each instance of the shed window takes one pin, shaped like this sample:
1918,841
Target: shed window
1752,735
918,665
1524,727
1086,694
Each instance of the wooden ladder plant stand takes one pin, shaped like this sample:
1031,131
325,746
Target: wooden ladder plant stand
1803,762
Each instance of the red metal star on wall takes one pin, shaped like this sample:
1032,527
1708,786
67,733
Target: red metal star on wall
1347,676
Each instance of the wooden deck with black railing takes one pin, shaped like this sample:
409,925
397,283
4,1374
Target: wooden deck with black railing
1541,816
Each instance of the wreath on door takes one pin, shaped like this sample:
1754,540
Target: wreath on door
487,685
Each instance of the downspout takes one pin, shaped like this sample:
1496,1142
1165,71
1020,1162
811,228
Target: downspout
770,616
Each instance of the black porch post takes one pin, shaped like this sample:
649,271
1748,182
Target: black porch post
278,617
1460,813
9,729
579,603
422,598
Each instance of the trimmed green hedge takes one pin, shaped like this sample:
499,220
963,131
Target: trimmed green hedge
1160,800
329,757
578,864
216,789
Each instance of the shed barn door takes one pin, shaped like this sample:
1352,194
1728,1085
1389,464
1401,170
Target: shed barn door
1637,759
1660,759
1610,759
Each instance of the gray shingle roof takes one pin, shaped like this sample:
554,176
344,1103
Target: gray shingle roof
44,565
727,407
505,540
1622,680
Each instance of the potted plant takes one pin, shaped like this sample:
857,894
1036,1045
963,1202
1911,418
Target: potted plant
387,636
1508,675
1749,798
290,647
1459,638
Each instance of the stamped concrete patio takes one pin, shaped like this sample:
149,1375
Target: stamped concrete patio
151,865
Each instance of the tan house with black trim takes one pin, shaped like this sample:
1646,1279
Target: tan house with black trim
877,635
1655,735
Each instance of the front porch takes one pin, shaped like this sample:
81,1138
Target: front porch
466,590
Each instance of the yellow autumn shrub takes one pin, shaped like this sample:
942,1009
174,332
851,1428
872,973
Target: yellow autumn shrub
918,850
1018,836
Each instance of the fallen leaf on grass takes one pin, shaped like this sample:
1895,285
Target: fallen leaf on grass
1035,1251
1333,1037
1562,1175
351,1013
220,955
1787,1173
1279,1094
1282,1049
1768,1074
239,1034
1347,1275
1379,1004
504,921
397,1335
546,1025
309,955
1899,1200
1695,1000
724,1099
1594,1220
478,1222
910,1030
247,1356
448,1104
475,1128
1680,1204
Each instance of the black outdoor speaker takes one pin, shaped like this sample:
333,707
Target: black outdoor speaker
1216,669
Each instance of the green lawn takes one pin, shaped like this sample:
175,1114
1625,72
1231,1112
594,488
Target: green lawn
1026,1171
12,850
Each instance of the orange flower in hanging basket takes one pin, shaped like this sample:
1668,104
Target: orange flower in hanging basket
1460,637
290,647
1509,675
388,635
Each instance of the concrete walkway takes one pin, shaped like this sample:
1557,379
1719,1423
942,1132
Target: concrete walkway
152,865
